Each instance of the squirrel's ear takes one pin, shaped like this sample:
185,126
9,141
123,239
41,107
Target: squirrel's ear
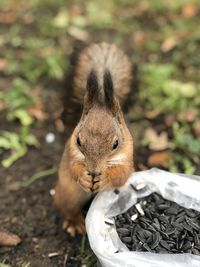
110,100
92,91
108,89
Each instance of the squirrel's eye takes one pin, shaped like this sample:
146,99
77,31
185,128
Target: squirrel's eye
78,141
115,145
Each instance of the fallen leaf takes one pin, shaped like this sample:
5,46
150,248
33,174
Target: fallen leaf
156,141
3,63
169,119
8,239
196,128
38,113
138,38
188,89
4,265
59,126
35,239
159,159
7,17
169,43
28,18
189,10
2,105
62,19
188,115
79,34
151,114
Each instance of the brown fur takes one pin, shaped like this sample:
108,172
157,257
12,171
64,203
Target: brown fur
93,165
99,57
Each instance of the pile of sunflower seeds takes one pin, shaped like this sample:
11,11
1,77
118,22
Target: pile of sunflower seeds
157,225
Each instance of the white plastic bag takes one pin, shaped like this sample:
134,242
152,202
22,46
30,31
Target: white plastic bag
103,238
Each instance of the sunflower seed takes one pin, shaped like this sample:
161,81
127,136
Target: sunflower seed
128,218
186,246
127,239
169,230
109,222
163,206
190,213
147,247
147,233
165,244
148,214
193,224
171,211
188,227
195,251
196,240
123,231
156,240
164,219
140,187
180,245
180,219
134,217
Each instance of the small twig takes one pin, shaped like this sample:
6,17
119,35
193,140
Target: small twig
65,260
83,244
38,176
4,265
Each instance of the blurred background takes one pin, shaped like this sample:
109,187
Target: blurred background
162,39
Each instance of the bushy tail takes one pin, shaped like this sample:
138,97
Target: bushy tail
103,58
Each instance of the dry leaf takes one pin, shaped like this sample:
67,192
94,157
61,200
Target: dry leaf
3,63
59,126
169,43
7,17
62,19
189,10
79,34
196,128
2,105
156,142
8,239
189,115
159,159
151,114
169,119
28,18
38,113
138,38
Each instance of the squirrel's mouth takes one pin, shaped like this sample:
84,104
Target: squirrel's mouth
94,174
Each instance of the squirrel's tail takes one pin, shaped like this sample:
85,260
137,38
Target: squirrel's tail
100,58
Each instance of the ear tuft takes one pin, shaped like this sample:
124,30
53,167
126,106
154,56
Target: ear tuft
108,89
92,87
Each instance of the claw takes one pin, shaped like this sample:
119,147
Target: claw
75,225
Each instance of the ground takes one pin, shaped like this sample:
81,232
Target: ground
36,40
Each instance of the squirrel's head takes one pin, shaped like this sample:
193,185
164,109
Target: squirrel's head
101,138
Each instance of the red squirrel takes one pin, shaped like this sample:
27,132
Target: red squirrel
99,154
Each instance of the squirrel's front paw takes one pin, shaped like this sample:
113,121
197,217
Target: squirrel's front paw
101,183
86,182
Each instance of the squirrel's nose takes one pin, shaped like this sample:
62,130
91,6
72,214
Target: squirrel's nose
94,174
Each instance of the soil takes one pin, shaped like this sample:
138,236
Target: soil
29,212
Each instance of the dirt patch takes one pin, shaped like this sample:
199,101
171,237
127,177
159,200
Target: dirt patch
29,212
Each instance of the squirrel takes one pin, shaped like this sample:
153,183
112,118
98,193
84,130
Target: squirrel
99,154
